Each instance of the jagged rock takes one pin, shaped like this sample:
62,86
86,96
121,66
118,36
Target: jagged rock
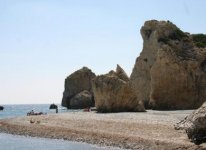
121,73
195,125
170,71
82,100
77,82
113,94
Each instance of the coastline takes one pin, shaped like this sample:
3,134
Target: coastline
149,130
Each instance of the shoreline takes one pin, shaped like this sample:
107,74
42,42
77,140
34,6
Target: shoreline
149,130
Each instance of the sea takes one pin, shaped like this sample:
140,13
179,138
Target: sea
16,142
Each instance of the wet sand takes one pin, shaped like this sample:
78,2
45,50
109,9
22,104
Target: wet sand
149,130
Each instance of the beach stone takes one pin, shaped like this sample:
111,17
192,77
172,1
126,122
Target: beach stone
170,72
113,94
195,125
75,83
82,100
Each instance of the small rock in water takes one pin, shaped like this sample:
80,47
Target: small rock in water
53,106
1,108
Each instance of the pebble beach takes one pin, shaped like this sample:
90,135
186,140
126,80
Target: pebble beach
146,130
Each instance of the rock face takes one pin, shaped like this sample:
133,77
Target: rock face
82,100
170,72
113,93
195,125
76,83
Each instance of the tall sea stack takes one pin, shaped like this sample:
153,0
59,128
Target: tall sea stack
78,89
170,72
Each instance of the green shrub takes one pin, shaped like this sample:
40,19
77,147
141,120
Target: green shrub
199,40
164,40
177,35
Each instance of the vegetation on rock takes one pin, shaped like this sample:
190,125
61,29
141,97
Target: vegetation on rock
199,40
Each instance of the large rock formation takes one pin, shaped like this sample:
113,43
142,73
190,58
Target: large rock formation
76,83
113,93
170,72
195,125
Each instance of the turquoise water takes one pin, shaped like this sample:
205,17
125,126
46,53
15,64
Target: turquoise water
14,142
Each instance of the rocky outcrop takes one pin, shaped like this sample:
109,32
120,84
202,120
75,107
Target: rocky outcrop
76,83
195,125
113,93
170,72
82,100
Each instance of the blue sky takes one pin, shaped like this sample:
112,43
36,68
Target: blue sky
43,41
